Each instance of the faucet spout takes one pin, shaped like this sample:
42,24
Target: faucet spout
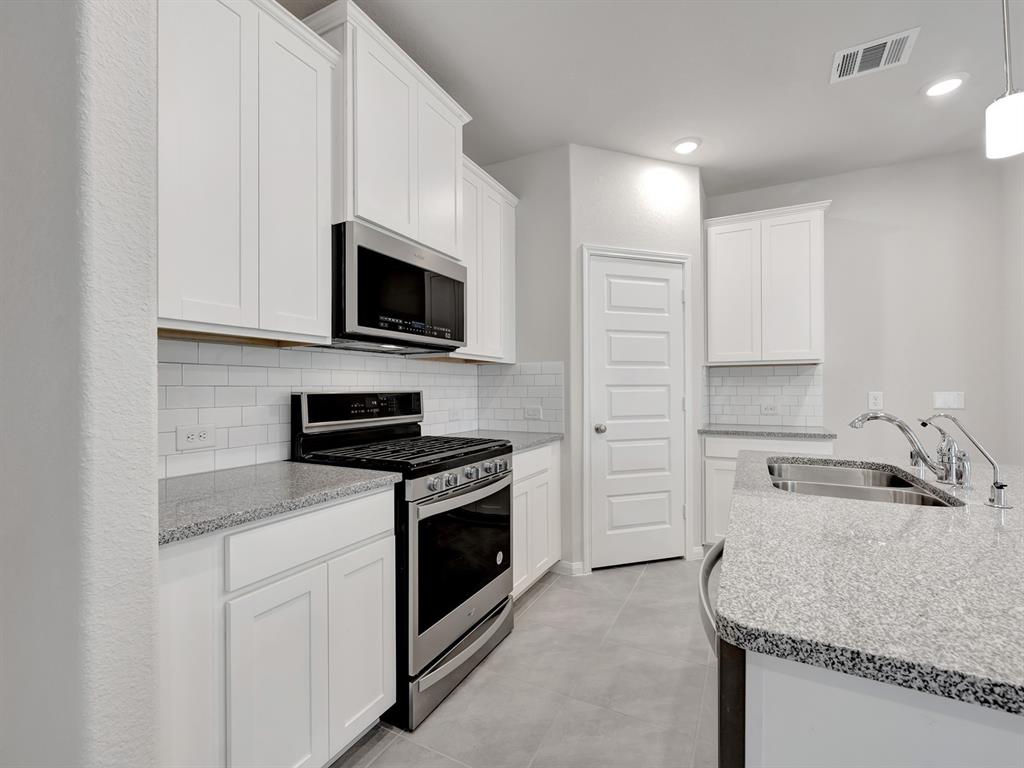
918,455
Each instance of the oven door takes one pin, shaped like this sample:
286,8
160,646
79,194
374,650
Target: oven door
460,564
392,291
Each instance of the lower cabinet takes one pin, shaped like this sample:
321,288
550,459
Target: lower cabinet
720,455
536,515
284,666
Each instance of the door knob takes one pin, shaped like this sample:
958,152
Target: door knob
600,428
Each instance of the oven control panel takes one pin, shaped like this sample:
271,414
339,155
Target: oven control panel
456,477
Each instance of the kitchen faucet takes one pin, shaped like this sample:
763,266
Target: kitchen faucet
918,455
955,464
997,494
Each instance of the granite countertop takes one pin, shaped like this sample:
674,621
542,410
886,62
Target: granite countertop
192,505
928,598
521,441
769,431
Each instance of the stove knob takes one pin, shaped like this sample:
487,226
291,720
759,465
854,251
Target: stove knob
501,465
488,467
450,481
434,484
472,473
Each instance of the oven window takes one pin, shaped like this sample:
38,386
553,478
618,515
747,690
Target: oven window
397,296
459,552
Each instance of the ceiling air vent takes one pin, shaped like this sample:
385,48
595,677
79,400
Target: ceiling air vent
875,56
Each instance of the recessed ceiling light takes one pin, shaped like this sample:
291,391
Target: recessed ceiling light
945,86
687,145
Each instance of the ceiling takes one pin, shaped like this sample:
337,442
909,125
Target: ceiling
750,77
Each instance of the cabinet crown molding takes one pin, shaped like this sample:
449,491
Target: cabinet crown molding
496,185
736,218
345,11
308,36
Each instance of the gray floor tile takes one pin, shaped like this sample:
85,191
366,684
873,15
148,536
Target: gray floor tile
587,736
574,611
660,689
608,582
668,585
491,721
526,599
363,752
544,656
671,632
402,753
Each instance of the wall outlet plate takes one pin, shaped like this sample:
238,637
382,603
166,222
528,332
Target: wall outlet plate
769,409
193,436
948,401
534,412
876,401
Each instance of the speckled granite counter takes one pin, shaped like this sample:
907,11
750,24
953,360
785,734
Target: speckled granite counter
763,430
521,441
192,505
928,598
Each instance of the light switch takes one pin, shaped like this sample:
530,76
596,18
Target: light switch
875,401
534,412
948,401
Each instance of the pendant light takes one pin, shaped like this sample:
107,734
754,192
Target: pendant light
1004,118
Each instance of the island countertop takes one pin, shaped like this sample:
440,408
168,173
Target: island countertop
928,598
521,441
192,505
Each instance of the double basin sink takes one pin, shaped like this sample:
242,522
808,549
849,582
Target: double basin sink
851,483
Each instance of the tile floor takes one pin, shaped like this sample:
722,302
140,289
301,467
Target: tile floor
610,670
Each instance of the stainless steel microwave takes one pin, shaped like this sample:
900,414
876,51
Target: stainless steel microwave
393,296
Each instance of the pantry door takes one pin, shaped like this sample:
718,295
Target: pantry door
636,378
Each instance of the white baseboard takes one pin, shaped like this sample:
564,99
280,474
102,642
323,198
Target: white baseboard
568,568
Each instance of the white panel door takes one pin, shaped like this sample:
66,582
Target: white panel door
277,674
520,537
295,184
385,144
635,373
207,156
792,287
490,276
719,475
439,157
469,253
362,639
734,292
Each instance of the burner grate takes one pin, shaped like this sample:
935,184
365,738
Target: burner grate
411,450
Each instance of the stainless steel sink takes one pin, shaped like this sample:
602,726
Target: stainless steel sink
851,483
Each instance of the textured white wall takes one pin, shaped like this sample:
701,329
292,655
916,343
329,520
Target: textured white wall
77,383
913,293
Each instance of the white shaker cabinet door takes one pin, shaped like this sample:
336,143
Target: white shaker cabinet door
719,475
295,184
277,674
469,253
734,292
207,157
491,276
385,141
520,537
439,161
362,639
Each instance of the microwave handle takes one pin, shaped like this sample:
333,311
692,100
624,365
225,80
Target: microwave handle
454,502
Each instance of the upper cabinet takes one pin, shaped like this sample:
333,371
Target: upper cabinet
766,286
244,160
489,253
397,134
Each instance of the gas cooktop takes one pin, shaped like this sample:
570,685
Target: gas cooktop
408,452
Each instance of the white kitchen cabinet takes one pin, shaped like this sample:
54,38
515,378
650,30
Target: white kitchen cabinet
720,456
766,286
536,515
244,161
361,591
397,135
277,674
488,252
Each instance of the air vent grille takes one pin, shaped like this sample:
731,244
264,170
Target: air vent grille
874,56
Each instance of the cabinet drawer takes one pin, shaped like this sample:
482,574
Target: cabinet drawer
729,447
531,462
261,552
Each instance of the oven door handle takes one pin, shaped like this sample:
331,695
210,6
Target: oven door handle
460,500
445,669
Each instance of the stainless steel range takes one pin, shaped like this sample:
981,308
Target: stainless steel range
453,523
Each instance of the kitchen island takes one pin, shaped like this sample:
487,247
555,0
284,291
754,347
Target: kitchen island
872,633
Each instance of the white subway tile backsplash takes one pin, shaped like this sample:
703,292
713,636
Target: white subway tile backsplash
190,397
241,375
737,394
174,351
189,463
235,396
254,435
220,354
168,374
204,374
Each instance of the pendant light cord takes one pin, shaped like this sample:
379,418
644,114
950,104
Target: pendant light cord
1007,64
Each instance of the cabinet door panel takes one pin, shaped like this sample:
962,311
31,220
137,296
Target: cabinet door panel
540,509
439,157
719,475
520,538
734,292
362,639
277,674
295,185
792,287
208,162
490,282
385,138
469,251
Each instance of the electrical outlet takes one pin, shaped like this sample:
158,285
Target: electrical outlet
769,409
875,401
195,436
948,401
534,412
